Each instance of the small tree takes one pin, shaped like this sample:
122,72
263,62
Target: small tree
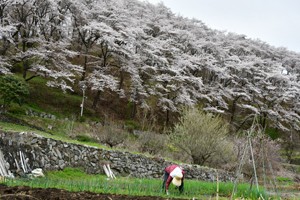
112,135
152,143
12,90
201,135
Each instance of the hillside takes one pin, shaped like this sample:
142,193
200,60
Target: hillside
111,72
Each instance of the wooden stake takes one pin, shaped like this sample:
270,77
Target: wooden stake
217,198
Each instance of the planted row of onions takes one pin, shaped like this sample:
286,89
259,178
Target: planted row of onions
75,180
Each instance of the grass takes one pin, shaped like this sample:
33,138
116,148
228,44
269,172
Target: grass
65,107
284,180
5,126
58,135
42,98
51,99
9,127
286,184
80,139
76,180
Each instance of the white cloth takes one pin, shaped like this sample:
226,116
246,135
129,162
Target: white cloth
176,172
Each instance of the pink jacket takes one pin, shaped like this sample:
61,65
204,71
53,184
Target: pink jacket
169,169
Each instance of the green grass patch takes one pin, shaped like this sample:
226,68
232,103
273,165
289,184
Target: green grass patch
62,135
284,179
11,127
67,174
76,180
52,100
19,128
16,109
84,138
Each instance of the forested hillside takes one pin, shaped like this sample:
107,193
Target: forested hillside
146,59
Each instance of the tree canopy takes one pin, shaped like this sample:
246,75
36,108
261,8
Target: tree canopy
151,57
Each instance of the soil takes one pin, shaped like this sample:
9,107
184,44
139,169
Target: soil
27,193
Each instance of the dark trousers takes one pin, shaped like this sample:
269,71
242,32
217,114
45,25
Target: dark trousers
166,176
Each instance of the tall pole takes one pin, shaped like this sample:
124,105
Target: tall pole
254,167
82,103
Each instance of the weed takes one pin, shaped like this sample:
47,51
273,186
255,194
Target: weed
84,138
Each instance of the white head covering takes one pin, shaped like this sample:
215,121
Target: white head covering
177,176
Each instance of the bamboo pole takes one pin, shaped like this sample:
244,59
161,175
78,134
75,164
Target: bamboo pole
253,163
110,172
239,171
3,170
106,171
22,163
217,197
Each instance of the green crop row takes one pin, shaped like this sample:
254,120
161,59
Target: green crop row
75,180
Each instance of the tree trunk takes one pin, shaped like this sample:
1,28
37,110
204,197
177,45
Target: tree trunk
25,68
25,62
96,99
121,79
133,111
84,65
199,160
232,113
167,118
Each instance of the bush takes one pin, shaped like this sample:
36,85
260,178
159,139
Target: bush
12,90
17,110
131,125
84,138
273,133
202,136
82,119
112,135
152,143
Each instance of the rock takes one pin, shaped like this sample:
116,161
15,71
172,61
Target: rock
38,172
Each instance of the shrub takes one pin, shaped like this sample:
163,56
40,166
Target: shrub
152,143
202,136
273,133
112,135
17,110
82,119
12,90
131,125
84,138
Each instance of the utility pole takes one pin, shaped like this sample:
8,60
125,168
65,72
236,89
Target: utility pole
83,88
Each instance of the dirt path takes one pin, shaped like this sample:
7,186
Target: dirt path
27,193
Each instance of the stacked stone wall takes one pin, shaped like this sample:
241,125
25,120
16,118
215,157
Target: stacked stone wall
50,154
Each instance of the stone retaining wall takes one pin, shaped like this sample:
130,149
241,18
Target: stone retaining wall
50,154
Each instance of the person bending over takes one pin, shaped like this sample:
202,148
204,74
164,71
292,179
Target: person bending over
174,174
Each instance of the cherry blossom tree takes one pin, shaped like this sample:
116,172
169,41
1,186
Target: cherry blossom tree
152,59
41,50
6,40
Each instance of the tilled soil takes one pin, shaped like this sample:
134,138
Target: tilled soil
27,193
